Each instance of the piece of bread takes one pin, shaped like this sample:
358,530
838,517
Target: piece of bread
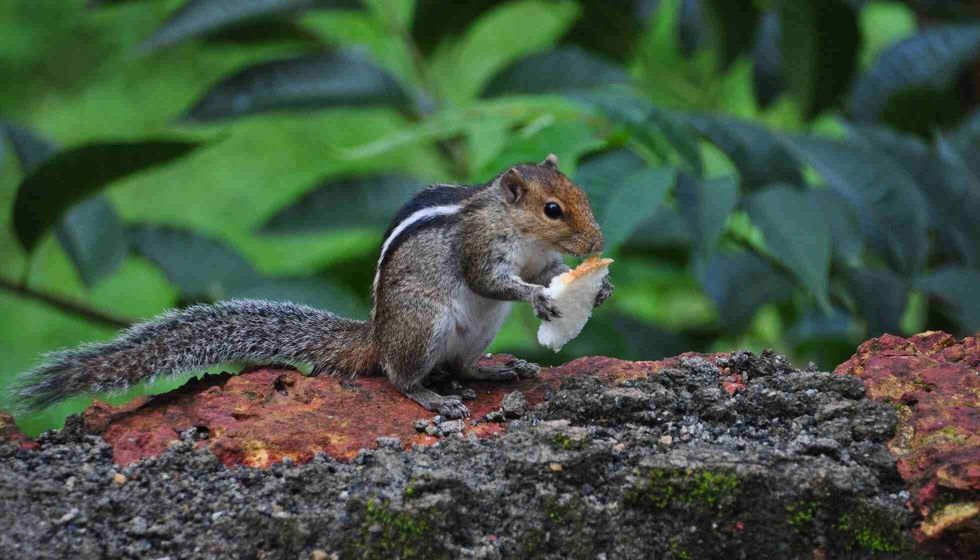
574,293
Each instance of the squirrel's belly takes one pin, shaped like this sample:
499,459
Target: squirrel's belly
472,323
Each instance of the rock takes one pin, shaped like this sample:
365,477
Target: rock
934,381
10,432
514,405
452,427
262,415
138,526
389,442
421,424
119,479
697,456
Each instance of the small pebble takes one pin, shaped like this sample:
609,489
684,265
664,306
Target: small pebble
555,467
666,440
495,416
468,395
514,404
433,430
119,479
388,442
421,425
452,427
138,526
68,517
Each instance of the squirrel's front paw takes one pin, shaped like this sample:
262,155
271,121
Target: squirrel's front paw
544,307
605,291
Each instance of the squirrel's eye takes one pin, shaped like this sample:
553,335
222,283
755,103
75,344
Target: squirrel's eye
552,210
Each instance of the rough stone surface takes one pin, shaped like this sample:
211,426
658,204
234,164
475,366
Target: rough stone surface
11,433
933,380
694,457
263,415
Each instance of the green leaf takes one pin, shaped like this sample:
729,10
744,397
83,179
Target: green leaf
955,288
816,326
266,31
29,148
613,29
90,231
880,297
844,224
200,17
635,200
691,26
906,150
756,152
93,236
893,211
433,23
566,139
562,70
315,292
956,201
601,174
201,268
455,121
499,37
610,28
666,228
75,174
705,206
304,82
796,235
768,81
660,132
339,203
820,51
733,24
739,284
944,178
929,61
966,140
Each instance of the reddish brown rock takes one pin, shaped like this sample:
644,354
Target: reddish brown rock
10,432
263,415
934,380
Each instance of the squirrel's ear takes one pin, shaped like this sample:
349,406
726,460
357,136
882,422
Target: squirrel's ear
550,161
513,185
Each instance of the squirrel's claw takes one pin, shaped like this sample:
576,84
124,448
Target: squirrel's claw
605,291
452,407
544,307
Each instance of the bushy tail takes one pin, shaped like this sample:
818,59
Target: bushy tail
197,337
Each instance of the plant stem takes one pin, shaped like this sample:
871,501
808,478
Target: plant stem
66,305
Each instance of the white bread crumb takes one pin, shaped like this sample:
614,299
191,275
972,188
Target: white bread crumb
573,293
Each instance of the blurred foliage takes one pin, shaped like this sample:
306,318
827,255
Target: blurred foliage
797,174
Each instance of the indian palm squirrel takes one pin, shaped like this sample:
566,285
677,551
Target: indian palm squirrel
451,262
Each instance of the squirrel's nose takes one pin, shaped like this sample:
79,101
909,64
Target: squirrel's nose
597,244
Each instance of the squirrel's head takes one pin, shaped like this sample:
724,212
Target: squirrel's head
547,205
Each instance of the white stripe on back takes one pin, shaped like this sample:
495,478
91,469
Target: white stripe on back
417,216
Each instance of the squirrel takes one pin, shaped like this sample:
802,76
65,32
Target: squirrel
451,261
